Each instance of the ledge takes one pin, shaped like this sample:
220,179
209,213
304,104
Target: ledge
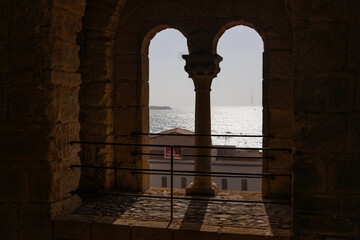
118,217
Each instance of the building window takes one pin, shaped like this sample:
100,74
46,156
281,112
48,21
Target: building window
224,184
183,182
164,181
244,185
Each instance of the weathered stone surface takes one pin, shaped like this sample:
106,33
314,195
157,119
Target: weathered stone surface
34,222
8,221
190,217
330,225
308,173
277,65
109,228
277,122
311,96
275,88
96,94
72,230
316,132
320,50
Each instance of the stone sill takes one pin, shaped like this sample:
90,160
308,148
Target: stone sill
76,227
114,217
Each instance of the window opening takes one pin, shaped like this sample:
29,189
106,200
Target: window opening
171,98
183,182
163,181
244,185
236,102
224,184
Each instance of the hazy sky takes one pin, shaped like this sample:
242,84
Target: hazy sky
238,83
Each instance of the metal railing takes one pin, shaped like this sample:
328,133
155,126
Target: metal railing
173,172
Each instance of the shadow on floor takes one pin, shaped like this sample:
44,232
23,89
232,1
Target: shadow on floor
194,215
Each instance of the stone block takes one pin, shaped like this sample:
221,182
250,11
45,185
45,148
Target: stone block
127,43
278,94
343,173
65,56
277,122
309,173
357,94
277,187
38,99
151,231
353,133
320,49
127,67
65,79
96,121
31,55
101,17
277,65
278,36
131,93
8,221
131,119
188,230
77,7
3,102
63,179
319,133
65,104
109,228
14,182
323,92
59,144
96,51
35,222
325,225
76,230
326,204
65,206
65,23
96,94
314,10
4,18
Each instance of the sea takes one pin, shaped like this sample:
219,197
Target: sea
229,120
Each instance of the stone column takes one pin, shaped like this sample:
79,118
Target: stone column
202,68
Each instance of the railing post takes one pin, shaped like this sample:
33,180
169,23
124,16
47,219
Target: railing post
172,184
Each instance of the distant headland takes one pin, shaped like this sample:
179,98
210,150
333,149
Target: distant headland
159,108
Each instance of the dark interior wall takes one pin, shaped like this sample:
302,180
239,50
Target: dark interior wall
326,97
39,107
39,101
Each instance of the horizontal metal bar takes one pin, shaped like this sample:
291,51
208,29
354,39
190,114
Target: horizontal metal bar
193,155
178,171
203,135
206,175
183,146
184,198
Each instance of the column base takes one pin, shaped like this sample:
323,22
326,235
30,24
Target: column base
202,191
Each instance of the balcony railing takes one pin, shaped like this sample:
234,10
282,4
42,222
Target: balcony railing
173,172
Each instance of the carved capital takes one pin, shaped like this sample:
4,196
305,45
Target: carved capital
204,66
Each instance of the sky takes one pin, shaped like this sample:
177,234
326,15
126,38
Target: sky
239,82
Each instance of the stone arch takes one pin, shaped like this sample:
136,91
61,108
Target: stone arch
232,24
277,114
131,102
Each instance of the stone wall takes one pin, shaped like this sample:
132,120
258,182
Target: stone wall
326,119
39,114
311,101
